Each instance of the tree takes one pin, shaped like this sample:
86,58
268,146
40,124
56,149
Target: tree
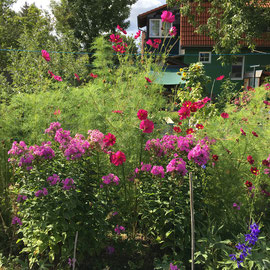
232,24
89,18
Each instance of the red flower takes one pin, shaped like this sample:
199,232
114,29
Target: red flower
243,132
190,131
193,108
150,43
248,184
250,160
157,40
177,129
179,124
220,78
215,157
45,55
148,80
137,34
121,29
57,112
58,78
93,75
118,111
266,102
77,77
115,38
224,115
142,114
118,158
265,162
254,170
184,112
255,134
199,126
119,48
51,74
147,126
109,139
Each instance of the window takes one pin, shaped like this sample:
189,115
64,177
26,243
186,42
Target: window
158,29
238,69
205,57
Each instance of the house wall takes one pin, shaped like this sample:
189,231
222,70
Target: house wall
215,69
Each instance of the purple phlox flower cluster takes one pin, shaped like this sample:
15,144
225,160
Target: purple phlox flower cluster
21,198
119,229
115,213
110,178
68,184
63,138
16,220
158,171
250,239
18,149
173,267
76,147
155,146
96,139
266,171
54,126
177,165
236,206
199,154
266,193
26,159
45,151
71,261
41,192
110,250
146,167
185,143
53,180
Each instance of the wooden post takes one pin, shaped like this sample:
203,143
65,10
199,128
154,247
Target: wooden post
74,254
192,221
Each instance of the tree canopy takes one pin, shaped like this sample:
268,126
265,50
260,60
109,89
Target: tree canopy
232,24
89,18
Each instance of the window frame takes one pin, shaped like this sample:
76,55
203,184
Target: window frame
242,71
160,31
205,62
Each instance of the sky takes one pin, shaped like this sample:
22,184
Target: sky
139,7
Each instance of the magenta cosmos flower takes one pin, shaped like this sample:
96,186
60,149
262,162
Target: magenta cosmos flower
118,158
147,126
224,115
148,80
173,31
45,55
142,114
115,38
137,34
77,77
109,139
167,16
220,78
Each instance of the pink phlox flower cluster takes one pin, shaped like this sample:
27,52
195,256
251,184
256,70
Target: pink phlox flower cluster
155,146
45,151
63,138
21,198
185,143
54,126
77,147
41,192
158,171
18,149
177,165
53,180
26,159
146,167
96,139
119,229
68,184
16,220
110,178
199,154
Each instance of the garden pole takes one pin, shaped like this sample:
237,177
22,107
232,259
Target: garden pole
192,221
74,254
